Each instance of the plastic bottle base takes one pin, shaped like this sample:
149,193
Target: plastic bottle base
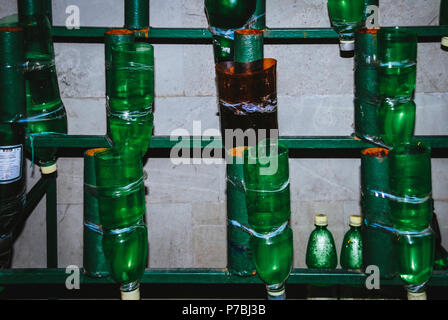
49,169
131,295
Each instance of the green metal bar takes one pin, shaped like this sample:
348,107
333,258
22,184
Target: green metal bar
204,34
166,142
72,141
52,223
34,196
206,276
49,10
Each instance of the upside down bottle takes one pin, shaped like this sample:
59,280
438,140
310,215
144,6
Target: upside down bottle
12,137
266,176
45,111
121,203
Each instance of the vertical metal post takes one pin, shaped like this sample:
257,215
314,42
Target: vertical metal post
52,222
136,14
49,11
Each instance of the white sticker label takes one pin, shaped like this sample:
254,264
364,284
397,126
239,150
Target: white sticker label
10,164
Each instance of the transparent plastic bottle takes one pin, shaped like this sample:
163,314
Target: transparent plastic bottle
45,111
351,251
321,250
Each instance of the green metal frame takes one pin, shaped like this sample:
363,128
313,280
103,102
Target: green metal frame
47,184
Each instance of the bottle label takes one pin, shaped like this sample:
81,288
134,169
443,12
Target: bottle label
10,163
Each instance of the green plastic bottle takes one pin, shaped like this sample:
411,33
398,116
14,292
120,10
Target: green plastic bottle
272,257
346,16
130,95
120,187
45,111
126,252
443,20
224,17
351,251
321,250
415,252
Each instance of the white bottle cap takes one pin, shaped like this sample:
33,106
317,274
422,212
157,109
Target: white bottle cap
355,221
131,295
49,169
416,295
445,42
321,220
347,45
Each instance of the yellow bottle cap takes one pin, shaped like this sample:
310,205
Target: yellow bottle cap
416,295
321,220
355,221
131,295
49,169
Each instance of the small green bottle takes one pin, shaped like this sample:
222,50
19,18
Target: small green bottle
12,137
351,251
45,111
321,250
224,17
321,254
346,16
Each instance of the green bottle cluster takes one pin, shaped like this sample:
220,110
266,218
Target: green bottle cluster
129,91
45,111
121,203
266,179
443,20
12,137
346,17
225,17
397,54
